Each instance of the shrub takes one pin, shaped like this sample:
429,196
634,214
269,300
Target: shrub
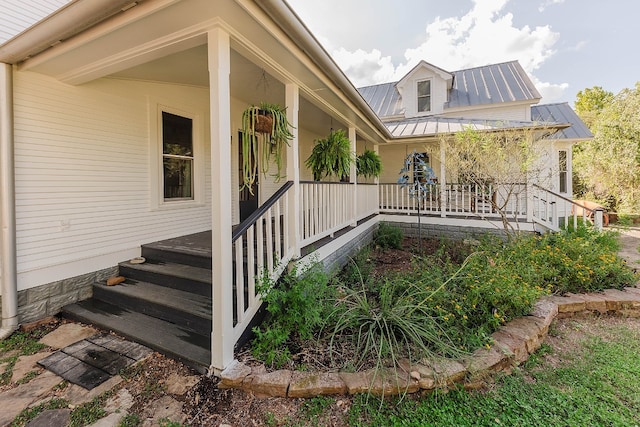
297,306
389,236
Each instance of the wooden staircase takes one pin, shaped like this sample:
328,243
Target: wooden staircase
165,303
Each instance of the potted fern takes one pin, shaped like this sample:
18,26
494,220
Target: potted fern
267,124
331,156
369,164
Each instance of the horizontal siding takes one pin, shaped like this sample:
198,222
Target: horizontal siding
517,112
82,172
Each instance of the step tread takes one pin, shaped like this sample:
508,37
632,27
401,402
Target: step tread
183,271
166,337
161,295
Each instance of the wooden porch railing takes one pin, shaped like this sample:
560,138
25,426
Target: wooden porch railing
456,200
555,211
261,244
326,207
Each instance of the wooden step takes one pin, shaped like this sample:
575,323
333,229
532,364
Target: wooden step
168,338
187,309
187,278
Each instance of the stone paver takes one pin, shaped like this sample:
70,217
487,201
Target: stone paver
26,364
180,384
17,399
165,407
67,334
51,418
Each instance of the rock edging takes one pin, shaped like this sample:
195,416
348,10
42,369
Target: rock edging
513,343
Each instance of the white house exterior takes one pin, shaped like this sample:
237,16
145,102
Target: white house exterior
89,93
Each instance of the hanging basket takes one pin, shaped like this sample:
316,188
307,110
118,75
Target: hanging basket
263,122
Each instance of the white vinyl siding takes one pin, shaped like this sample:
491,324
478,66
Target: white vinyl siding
82,175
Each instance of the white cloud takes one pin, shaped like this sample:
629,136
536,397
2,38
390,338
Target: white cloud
548,3
484,35
551,92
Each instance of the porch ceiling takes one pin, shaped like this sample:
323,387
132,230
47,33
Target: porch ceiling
163,40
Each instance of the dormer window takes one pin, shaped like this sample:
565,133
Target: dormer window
424,96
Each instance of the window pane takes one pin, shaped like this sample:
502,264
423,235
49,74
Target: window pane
424,88
177,135
178,181
424,103
563,182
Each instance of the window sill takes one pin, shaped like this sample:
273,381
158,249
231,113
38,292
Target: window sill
178,204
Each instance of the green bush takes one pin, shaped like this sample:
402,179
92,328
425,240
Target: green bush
389,236
297,306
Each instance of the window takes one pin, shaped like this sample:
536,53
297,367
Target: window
424,96
422,169
562,171
177,157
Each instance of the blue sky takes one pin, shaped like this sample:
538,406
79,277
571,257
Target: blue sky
564,45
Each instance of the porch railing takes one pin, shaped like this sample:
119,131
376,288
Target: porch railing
484,201
367,200
555,211
326,207
261,243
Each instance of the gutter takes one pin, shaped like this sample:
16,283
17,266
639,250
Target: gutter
8,257
287,19
66,22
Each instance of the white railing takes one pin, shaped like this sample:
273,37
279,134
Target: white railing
367,200
555,211
326,207
261,244
484,201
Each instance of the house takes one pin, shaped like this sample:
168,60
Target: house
119,138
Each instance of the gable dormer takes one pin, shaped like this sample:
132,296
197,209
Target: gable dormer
424,90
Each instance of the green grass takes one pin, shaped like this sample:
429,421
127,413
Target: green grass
19,344
596,385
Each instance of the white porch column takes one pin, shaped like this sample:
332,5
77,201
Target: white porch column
443,179
292,100
376,181
353,176
222,341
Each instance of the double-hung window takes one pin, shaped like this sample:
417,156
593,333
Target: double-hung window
424,96
562,171
177,157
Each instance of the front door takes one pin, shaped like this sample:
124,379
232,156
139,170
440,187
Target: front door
248,201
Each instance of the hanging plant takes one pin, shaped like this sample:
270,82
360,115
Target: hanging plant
266,124
331,156
369,164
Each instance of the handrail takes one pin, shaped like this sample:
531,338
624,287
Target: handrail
244,225
566,199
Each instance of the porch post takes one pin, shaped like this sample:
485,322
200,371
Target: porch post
376,181
353,178
292,95
222,341
443,179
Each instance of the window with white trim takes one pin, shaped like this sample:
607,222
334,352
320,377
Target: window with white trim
562,171
424,96
177,157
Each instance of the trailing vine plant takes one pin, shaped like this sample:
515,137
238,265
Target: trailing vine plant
266,123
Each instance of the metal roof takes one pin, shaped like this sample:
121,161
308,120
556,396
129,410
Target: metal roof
561,113
437,125
489,84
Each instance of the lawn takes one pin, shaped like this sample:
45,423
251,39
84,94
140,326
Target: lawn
586,374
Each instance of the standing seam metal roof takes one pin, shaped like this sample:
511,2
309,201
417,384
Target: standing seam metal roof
561,113
486,85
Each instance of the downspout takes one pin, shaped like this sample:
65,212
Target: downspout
8,261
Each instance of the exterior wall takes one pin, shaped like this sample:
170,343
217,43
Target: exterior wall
83,185
410,95
494,113
393,157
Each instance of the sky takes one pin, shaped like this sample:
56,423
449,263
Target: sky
564,45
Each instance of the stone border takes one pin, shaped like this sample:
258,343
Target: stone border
513,343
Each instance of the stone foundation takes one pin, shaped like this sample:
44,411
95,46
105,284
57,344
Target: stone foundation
47,300
452,232
512,345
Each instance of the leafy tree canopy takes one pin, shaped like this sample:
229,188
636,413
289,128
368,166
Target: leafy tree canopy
609,165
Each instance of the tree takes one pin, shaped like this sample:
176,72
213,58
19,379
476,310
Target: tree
497,165
590,103
609,164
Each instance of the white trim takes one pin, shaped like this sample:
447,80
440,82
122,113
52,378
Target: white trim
156,192
416,100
